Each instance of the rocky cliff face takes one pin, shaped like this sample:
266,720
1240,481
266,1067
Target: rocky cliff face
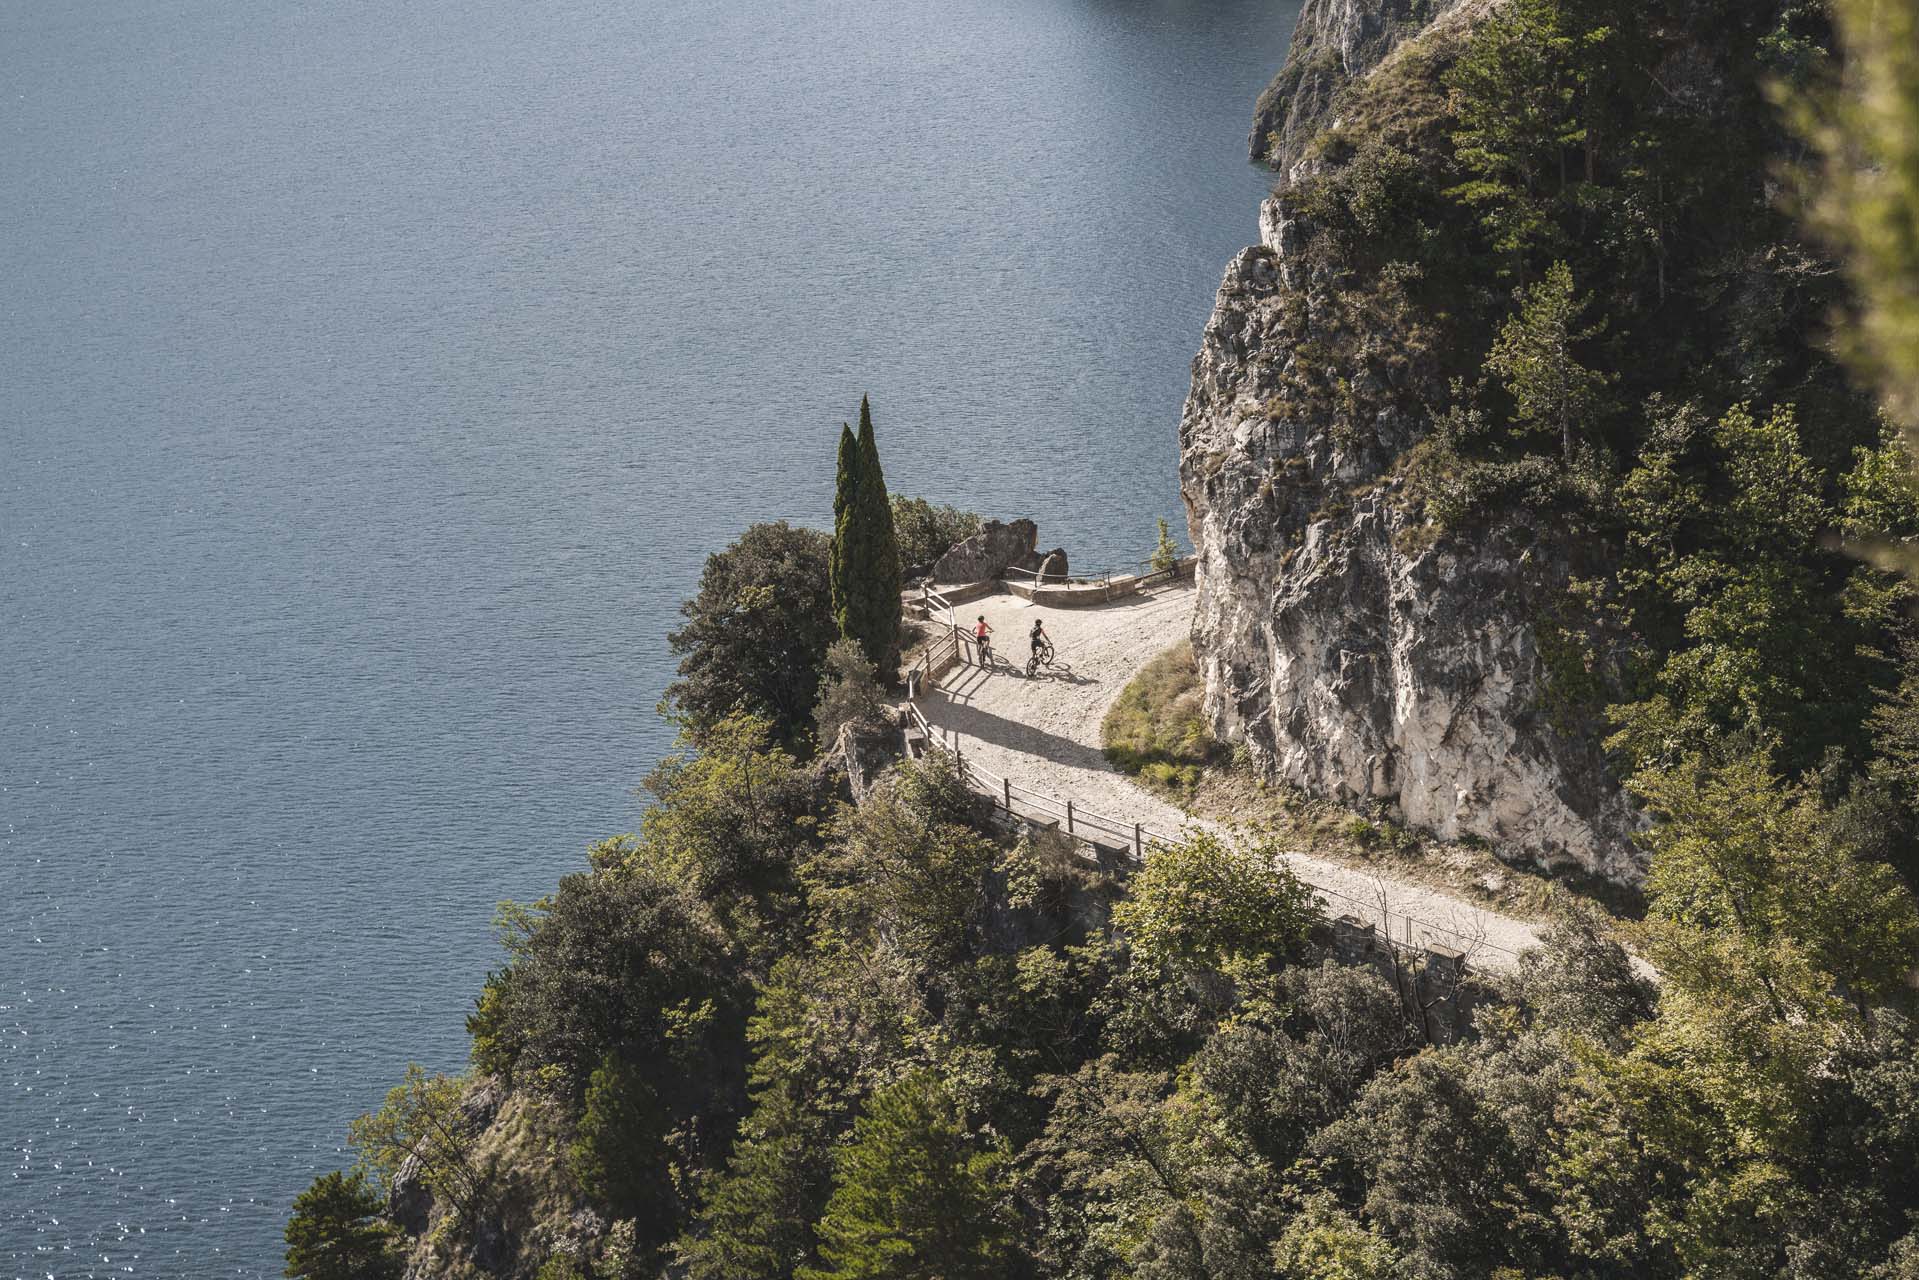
1335,43
1353,648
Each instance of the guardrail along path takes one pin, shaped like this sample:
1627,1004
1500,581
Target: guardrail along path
1036,744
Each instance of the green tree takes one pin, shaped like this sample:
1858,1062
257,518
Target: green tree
1553,394
618,1152
1201,901
624,957
906,867
846,549
1166,551
336,1233
927,531
1868,190
1513,95
733,815
1438,1167
1326,1243
1764,630
1749,892
420,1120
1712,1145
851,693
1277,1080
880,629
913,1199
756,1218
866,556
757,632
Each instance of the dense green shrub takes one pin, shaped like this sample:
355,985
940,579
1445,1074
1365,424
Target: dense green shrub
733,816
850,695
756,634
420,1121
617,960
1165,557
1202,902
620,1155
927,531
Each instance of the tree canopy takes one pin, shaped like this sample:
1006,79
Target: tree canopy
756,635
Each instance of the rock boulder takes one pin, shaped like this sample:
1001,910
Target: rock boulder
989,553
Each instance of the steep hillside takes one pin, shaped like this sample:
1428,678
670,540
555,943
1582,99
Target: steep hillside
1472,436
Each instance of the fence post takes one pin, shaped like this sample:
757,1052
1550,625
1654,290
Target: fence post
1069,817
1139,842
1007,785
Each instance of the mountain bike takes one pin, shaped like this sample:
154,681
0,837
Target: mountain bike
1042,657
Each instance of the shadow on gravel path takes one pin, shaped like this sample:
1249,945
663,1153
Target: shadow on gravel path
953,717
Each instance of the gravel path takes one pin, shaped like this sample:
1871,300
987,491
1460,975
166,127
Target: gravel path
1043,734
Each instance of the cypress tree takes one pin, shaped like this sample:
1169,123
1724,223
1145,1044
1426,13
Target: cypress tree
841,570
880,625
866,554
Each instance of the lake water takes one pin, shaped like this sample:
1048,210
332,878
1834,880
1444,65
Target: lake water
374,379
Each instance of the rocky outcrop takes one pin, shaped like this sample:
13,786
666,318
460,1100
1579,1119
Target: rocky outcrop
1335,42
409,1201
990,552
1356,649
861,754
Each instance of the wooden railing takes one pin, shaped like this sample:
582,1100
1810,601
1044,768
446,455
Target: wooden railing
1114,835
941,650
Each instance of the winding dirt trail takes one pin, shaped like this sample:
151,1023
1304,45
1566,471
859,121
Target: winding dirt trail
1044,733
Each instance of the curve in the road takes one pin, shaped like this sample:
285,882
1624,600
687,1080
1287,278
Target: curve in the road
1044,734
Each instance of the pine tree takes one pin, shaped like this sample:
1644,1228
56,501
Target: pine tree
1166,553
618,1154
757,1219
1552,392
336,1232
911,1201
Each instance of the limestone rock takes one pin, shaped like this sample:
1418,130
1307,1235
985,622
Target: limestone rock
408,1201
1352,648
1054,568
482,1102
1334,43
988,553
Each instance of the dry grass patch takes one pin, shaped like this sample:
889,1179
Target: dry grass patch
1157,730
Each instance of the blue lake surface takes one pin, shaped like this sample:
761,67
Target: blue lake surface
374,379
